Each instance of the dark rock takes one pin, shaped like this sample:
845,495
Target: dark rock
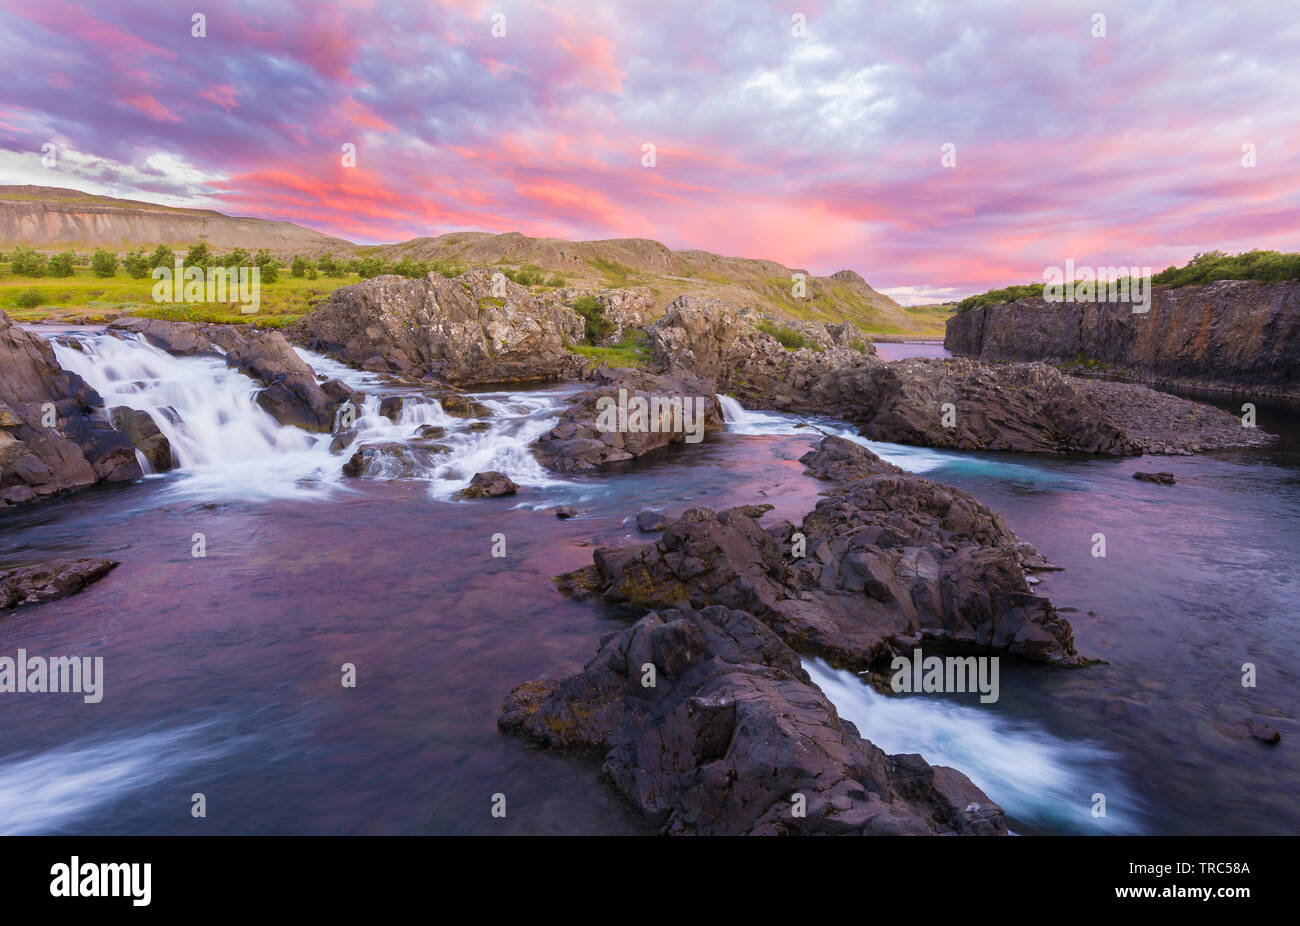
81,449
580,443
390,407
392,460
564,512
27,585
489,485
430,432
1165,479
650,521
891,559
732,736
143,433
461,406
1233,334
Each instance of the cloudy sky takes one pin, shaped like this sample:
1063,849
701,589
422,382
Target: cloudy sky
818,146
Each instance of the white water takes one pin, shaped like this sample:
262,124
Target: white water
40,794
227,446
741,420
1038,778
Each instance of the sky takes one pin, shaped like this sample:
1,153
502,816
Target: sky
810,133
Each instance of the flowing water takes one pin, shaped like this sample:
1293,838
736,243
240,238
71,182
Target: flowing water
222,673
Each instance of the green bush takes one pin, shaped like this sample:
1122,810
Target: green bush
103,263
162,256
136,264
199,255
24,262
596,327
29,299
61,264
1211,266
787,337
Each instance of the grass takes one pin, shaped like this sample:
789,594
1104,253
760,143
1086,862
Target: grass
93,298
632,351
616,275
787,337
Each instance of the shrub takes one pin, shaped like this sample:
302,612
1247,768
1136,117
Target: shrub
596,326
162,256
61,264
300,265
199,255
103,263
788,338
25,262
29,299
270,271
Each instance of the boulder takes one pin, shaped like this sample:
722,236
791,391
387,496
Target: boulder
50,581
489,484
709,725
1166,479
889,560
581,441
650,521
142,431
459,331
80,449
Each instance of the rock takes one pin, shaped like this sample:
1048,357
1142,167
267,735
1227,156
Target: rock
392,460
390,407
81,449
337,390
1249,728
650,521
489,485
892,559
27,585
291,395
1166,479
1233,334
580,442
730,732
456,330
461,406
342,439
430,432
143,433
564,512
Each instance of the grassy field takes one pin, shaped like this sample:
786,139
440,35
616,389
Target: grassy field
84,297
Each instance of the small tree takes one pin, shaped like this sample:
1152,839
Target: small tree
103,263
25,262
199,255
299,266
61,264
136,264
162,256
237,258
270,271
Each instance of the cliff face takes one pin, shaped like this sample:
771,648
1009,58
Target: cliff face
1231,335
42,218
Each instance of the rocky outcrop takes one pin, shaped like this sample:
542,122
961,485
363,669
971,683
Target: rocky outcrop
720,342
709,725
582,440
456,330
28,585
1233,335
886,561
53,434
1022,407
291,394
144,435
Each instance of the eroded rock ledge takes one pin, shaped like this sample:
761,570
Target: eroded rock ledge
732,733
80,449
892,560
29,585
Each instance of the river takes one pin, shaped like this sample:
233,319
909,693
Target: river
222,672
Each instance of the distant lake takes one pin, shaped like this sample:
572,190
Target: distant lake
904,349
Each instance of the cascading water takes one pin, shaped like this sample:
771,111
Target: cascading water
226,445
